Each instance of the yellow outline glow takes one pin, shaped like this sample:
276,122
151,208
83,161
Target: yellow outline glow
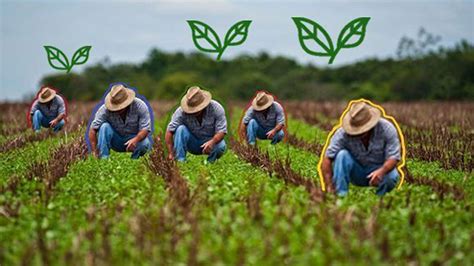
384,115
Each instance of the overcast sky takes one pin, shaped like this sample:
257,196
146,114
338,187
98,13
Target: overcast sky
125,31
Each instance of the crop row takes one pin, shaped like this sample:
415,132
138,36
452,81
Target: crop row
440,187
167,169
118,212
421,115
280,167
433,136
398,217
75,121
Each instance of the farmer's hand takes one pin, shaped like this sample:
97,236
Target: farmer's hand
207,147
171,156
95,153
271,134
376,176
131,144
53,123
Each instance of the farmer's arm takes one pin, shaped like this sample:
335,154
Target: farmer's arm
93,141
278,127
61,110
326,168
209,145
377,175
144,127
220,129
336,144
176,121
280,121
218,137
392,154
280,117
169,144
131,144
34,107
245,121
243,131
55,121
99,119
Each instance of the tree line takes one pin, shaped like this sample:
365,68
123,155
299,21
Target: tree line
418,72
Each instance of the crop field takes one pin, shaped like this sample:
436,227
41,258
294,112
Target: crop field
254,206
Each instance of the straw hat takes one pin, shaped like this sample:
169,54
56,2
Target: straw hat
262,101
46,95
195,100
360,118
119,97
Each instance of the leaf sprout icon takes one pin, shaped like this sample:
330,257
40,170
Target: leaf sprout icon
311,34
58,60
206,39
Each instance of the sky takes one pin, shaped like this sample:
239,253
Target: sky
126,31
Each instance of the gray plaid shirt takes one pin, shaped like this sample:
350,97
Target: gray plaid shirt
56,108
384,144
275,115
137,118
213,121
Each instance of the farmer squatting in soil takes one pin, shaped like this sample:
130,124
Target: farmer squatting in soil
364,150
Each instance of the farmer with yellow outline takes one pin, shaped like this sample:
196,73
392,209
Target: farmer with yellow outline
364,151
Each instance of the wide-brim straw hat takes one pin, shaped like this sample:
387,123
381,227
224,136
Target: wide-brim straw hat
195,100
360,118
119,98
262,101
46,95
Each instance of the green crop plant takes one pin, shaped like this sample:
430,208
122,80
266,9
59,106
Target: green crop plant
120,211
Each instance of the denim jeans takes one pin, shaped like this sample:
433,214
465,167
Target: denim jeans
255,130
185,141
346,170
39,120
109,139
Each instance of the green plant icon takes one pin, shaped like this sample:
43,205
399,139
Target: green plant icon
58,60
312,35
207,40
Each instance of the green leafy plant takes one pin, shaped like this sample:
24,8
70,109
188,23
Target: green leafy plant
119,211
206,39
311,34
58,60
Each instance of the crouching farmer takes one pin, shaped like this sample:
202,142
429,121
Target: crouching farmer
198,126
122,124
48,111
264,119
364,151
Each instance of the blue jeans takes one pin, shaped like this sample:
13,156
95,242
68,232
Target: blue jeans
184,141
109,139
39,120
255,130
347,169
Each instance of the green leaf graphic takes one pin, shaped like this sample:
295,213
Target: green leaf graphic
203,33
355,31
80,56
310,31
236,35
351,35
56,58
207,40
